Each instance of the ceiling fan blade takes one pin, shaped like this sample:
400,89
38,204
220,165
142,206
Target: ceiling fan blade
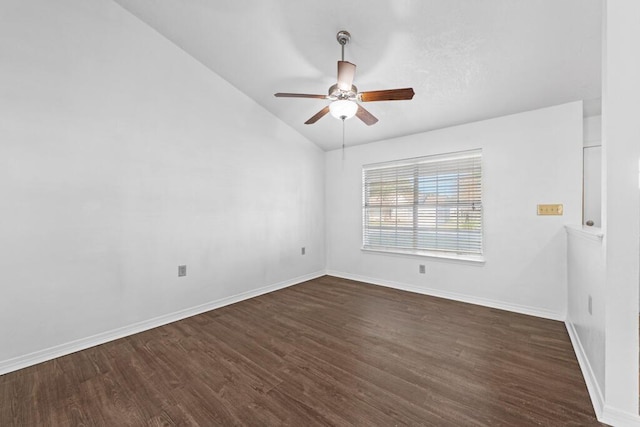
368,118
346,73
298,95
387,95
320,114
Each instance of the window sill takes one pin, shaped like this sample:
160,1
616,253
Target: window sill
476,259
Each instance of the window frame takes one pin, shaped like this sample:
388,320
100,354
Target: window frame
404,166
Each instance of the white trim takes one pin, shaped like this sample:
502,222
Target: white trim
605,413
589,233
616,417
501,305
595,393
429,254
40,356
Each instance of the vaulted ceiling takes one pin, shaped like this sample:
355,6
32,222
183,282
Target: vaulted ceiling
467,60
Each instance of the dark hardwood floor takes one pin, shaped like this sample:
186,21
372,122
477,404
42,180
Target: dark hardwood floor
326,352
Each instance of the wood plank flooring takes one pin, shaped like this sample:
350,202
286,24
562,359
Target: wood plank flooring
326,352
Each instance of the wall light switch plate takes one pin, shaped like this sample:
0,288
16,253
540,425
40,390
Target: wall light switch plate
550,209
182,270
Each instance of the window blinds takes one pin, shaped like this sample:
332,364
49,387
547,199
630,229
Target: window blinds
426,204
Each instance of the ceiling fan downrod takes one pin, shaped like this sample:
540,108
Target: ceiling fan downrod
343,38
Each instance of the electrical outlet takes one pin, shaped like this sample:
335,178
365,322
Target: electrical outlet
422,269
303,250
182,270
590,305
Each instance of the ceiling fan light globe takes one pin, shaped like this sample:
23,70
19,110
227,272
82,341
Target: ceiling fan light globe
343,109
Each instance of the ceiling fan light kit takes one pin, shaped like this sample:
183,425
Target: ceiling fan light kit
344,95
343,109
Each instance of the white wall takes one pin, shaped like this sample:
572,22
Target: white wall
528,158
122,157
592,158
586,279
606,342
621,201
592,185
592,131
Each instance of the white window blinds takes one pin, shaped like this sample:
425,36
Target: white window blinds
426,204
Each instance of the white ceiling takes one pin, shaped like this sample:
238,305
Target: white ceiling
467,60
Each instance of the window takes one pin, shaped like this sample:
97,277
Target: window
428,205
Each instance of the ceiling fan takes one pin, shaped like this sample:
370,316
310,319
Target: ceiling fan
344,95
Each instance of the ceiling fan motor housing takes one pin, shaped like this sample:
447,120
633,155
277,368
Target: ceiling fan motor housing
337,93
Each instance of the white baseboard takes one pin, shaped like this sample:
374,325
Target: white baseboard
595,393
501,305
618,418
605,413
43,355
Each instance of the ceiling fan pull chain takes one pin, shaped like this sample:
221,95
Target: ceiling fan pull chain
343,118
